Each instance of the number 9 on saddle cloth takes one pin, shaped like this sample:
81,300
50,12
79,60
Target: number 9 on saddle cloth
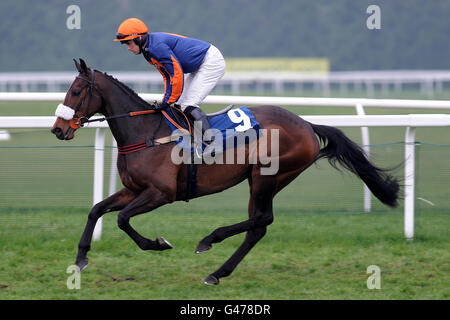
228,130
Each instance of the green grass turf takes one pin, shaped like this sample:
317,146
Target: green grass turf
303,256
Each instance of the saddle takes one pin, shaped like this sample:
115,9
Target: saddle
181,118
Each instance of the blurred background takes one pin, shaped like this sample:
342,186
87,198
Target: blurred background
328,47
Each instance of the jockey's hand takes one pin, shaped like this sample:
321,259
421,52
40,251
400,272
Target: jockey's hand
160,105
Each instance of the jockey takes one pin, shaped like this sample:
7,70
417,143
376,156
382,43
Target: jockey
174,56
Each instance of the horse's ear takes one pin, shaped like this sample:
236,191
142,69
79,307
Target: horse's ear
77,65
83,66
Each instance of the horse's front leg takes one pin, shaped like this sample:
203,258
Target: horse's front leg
115,202
149,199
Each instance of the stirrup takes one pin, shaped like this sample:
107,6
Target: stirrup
210,115
200,153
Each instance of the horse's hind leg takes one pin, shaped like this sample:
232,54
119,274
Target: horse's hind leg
251,238
114,202
262,190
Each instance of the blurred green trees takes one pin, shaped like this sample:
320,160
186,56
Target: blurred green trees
414,34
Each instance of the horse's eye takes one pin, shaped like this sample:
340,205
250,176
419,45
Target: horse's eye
76,93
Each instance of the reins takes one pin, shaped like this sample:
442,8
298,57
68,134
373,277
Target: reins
79,121
141,113
117,116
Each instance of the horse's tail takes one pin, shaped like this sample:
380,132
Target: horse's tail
339,148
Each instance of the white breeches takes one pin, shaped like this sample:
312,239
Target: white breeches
198,84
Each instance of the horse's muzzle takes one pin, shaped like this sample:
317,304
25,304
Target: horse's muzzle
59,133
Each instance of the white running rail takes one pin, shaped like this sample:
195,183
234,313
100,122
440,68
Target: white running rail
360,120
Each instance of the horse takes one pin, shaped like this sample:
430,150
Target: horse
150,179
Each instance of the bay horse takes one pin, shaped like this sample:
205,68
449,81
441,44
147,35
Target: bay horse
151,179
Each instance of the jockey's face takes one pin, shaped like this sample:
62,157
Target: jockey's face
132,47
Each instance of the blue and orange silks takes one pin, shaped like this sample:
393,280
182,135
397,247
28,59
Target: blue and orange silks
173,55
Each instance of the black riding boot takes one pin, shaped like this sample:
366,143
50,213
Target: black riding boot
198,115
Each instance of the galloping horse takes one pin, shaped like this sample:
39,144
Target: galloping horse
151,179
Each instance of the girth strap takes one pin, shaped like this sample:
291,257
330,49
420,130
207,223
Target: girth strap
143,145
191,179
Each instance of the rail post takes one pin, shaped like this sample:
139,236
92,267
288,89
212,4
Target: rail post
409,182
99,155
366,148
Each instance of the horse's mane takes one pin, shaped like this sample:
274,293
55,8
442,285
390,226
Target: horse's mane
127,90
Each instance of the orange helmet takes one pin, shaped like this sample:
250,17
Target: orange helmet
131,28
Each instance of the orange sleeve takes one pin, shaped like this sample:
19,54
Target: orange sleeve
173,78
177,81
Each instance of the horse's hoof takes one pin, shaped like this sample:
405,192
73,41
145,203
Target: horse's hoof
82,264
201,247
164,244
210,280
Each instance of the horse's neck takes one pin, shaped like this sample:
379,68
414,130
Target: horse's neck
129,130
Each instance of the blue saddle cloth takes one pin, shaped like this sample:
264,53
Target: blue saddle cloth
226,128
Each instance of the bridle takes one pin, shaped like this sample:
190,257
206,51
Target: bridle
78,121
